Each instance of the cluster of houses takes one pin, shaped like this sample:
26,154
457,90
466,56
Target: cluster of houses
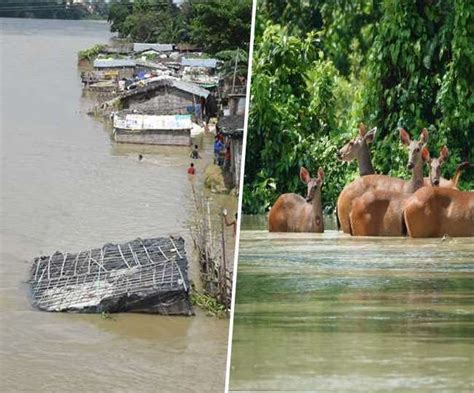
165,94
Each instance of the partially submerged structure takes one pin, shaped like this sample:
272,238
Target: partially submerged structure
163,96
149,276
152,129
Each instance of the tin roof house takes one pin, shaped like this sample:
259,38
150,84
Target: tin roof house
125,68
163,96
159,48
158,111
200,71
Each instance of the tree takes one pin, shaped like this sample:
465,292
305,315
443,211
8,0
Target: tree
218,25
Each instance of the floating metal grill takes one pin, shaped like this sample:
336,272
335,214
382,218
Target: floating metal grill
140,276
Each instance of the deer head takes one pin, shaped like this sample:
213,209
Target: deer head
314,183
417,152
435,166
355,147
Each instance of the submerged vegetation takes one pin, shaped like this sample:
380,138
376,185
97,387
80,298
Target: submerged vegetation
209,304
321,68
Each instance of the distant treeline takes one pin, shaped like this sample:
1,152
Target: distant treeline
52,10
213,25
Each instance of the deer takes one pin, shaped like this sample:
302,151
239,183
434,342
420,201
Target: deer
380,212
436,212
358,149
386,183
293,213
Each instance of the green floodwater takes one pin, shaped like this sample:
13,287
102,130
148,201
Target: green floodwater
328,312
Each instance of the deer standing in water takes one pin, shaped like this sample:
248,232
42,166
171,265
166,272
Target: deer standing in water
380,212
293,213
382,182
358,149
435,212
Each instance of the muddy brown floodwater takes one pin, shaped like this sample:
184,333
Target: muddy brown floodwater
329,312
66,186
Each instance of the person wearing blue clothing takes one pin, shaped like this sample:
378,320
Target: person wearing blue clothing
218,146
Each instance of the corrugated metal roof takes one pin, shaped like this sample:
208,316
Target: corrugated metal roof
207,63
189,88
156,82
114,63
140,47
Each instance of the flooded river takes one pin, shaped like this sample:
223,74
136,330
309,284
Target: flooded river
328,312
66,186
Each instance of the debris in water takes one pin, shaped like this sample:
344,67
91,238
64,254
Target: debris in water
149,276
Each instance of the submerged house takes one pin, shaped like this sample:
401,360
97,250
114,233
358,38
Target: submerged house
163,96
152,129
143,275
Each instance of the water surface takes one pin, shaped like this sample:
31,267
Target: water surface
66,186
328,312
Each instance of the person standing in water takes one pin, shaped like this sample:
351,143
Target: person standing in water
191,170
195,153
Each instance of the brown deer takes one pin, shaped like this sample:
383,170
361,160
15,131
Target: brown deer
435,179
435,212
293,213
380,212
385,183
358,149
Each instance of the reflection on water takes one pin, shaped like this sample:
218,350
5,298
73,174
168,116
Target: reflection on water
331,312
66,186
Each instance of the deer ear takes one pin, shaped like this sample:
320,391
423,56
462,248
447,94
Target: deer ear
404,137
443,154
321,173
304,175
362,129
369,137
425,154
424,135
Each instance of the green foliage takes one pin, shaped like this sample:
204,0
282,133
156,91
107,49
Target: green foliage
89,54
209,304
214,25
230,58
388,63
221,24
